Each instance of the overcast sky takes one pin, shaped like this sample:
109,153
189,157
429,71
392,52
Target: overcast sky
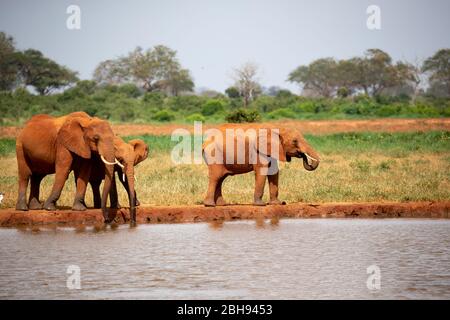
214,36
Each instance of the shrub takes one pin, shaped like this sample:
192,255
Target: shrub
154,98
195,117
130,90
282,113
243,115
388,110
306,106
211,107
343,92
164,115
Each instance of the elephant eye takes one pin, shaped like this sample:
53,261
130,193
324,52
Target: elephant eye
295,142
96,137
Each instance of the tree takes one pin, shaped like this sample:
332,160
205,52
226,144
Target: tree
111,72
232,92
320,76
246,81
156,69
43,73
375,72
8,67
438,66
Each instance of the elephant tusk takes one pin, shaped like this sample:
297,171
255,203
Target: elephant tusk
310,158
119,164
112,163
123,177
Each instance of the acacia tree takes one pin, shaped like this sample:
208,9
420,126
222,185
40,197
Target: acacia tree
246,81
438,67
42,73
371,74
156,69
319,76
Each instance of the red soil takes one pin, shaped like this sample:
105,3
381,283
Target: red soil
179,214
306,126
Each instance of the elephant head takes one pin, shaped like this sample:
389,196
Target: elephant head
84,136
291,143
129,155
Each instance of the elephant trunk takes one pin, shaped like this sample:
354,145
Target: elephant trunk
129,172
310,158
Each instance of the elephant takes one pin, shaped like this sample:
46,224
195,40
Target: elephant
48,145
128,155
268,145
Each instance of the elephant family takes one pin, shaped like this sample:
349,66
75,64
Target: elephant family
253,148
128,155
48,145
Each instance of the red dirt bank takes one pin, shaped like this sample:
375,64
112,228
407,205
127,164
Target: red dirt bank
179,214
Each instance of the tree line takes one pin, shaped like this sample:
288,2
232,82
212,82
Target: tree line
152,85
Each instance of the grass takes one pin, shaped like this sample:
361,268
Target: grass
355,167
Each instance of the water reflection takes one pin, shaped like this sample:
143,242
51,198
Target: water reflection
263,258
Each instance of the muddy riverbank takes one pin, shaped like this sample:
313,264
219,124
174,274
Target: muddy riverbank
180,214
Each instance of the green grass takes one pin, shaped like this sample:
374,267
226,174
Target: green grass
394,144
7,146
354,167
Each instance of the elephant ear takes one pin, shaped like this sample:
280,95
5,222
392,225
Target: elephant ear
270,143
71,135
140,150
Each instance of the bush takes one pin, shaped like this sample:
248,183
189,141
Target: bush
164,115
130,90
195,117
306,106
281,113
154,98
243,115
388,110
211,107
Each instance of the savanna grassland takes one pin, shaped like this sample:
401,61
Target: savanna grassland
379,167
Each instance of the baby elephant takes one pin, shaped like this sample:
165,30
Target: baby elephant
128,155
236,149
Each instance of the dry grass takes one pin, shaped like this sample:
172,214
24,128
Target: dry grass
405,176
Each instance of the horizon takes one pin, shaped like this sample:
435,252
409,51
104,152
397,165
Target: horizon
211,39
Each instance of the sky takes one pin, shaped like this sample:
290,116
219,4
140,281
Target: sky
212,37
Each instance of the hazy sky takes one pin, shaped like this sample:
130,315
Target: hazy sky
214,36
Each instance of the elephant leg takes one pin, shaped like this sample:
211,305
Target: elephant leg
62,170
82,179
136,201
124,183
24,176
95,185
260,181
113,198
33,202
218,197
273,188
215,174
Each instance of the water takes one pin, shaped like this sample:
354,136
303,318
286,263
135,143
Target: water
289,259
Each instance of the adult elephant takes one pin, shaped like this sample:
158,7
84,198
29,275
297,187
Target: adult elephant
237,149
48,145
128,155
